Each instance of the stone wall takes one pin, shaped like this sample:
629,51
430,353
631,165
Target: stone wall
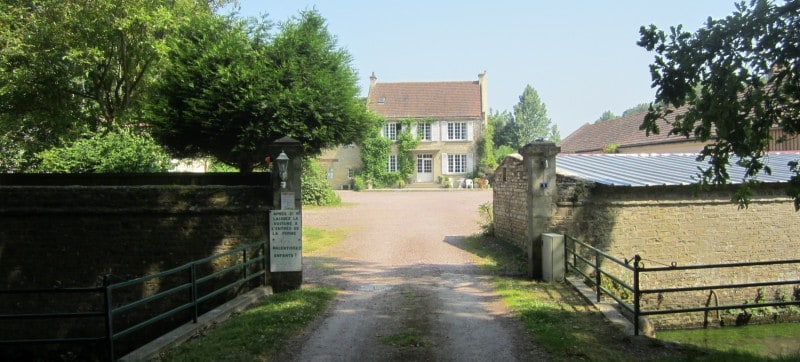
69,230
667,225
510,205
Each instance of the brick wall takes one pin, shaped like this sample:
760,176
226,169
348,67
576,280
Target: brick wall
668,224
59,230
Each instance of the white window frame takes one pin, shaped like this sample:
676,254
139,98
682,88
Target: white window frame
391,164
457,131
351,173
456,163
391,129
424,131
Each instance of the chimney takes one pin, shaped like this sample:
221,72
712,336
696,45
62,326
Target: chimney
372,80
483,83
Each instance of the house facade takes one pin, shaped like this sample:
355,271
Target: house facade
448,119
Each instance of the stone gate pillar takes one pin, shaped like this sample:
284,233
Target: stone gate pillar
287,198
539,159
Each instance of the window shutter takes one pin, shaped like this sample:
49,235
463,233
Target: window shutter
435,131
470,163
470,131
445,135
444,164
383,131
413,131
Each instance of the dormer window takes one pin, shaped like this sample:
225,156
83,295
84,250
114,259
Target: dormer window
381,100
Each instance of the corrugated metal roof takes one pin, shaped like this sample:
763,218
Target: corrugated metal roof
658,169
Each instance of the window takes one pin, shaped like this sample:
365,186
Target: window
351,173
392,165
330,173
457,131
424,131
391,130
456,163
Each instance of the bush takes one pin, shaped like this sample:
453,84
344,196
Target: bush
316,189
119,150
359,183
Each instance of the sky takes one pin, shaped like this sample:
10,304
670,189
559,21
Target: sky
580,56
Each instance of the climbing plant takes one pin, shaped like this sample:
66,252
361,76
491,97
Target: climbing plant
406,142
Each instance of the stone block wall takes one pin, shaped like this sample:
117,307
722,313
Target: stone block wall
510,204
69,230
667,225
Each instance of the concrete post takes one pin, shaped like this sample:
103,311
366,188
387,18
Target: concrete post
288,197
539,159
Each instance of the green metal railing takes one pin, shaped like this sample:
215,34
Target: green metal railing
187,294
593,258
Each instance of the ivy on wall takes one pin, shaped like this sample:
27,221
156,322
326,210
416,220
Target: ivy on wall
375,151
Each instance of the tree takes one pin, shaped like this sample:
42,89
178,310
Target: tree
68,67
503,132
639,108
606,116
530,121
233,88
739,78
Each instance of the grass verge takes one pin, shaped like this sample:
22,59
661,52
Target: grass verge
258,333
570,328
776,341
317,239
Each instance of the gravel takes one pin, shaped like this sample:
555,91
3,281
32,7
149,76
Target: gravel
401,271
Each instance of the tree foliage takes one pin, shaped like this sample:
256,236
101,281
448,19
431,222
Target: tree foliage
406,142
606,116
119,150
739,78
500,122
233,88
528,122
67,66
316,189
639,108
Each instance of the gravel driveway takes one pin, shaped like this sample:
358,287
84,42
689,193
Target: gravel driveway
402,273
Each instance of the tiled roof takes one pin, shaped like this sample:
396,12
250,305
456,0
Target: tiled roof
426,99
623,131
658,169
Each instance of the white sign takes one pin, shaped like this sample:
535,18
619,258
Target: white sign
286,248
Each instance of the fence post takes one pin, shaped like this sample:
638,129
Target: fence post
597,277
193,272
266,263
244,264
566,255
636,294
109,316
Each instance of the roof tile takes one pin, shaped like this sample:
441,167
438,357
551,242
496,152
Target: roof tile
426,99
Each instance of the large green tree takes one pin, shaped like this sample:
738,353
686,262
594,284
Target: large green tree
233,87
68,67
528,122
739,78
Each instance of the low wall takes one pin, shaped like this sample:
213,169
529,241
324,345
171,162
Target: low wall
68,230
668,225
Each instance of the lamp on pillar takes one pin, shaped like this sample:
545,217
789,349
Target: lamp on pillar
283,165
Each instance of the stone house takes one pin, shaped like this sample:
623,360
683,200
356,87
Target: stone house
448,118
627,204
624,132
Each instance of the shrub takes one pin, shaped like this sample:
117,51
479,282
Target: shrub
119,150
316,189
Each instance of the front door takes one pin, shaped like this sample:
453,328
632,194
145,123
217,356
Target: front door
425,167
